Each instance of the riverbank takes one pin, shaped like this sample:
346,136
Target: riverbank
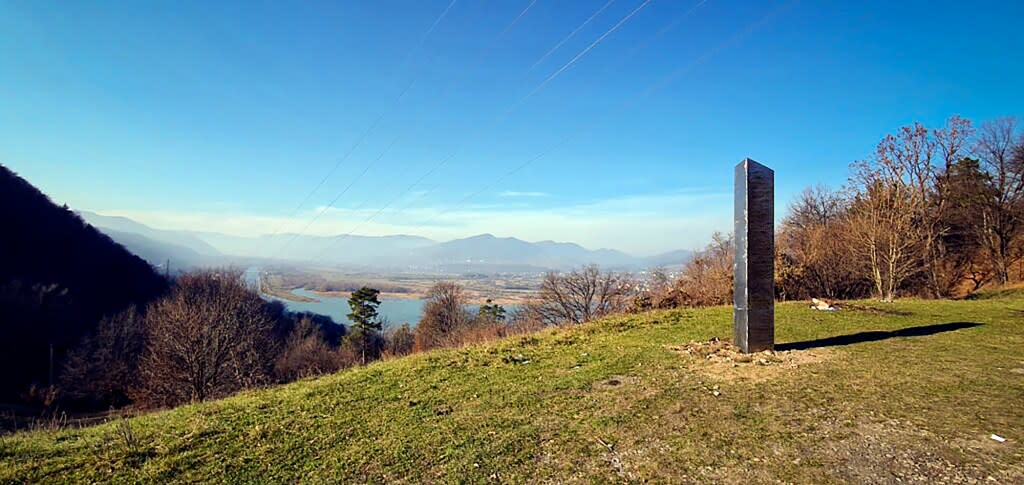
284,294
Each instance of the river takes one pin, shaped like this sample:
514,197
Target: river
395,310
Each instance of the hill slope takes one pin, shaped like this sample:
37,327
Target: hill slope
867,400
126,225
58,277
157,253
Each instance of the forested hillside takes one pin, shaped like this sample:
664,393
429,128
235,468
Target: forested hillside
58,277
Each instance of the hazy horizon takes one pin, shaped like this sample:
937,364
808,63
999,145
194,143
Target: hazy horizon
608,124
87,214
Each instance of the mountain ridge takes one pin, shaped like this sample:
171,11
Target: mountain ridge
480,252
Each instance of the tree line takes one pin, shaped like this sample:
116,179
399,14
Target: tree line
212,335
934,212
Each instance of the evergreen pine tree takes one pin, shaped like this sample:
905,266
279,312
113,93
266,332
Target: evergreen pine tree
365,325
491,312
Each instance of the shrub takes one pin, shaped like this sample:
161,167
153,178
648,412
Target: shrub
212,336
306,353
399,341
580,296
443,313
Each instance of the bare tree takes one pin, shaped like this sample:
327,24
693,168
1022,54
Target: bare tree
212,336
889,224
305,353
706,280
104,366
582,295
953,141
657,291
813,258
884,233
906,161
1001,150
816,206
400,340
443,314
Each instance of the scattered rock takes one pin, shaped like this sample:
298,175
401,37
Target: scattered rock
872,452
722,359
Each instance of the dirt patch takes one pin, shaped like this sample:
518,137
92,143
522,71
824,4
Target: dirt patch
614,382
898,451
722,360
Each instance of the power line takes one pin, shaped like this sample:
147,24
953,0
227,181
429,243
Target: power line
668,27
330,172
501,118
658,85
516,20
423,38
375,122
514,105
570,36
385,206
447,92
336,198
580,55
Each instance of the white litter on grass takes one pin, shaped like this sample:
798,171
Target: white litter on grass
998,438
822,305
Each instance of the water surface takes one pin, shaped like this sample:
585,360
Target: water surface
395,310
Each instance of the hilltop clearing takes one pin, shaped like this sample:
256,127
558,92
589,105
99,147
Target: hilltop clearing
874,393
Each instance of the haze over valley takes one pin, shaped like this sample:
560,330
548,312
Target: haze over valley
516,241
484,253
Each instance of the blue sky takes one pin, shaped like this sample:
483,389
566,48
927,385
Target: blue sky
225,115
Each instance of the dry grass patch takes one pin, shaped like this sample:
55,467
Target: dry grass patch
898,451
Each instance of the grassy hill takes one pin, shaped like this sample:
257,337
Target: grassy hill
875,393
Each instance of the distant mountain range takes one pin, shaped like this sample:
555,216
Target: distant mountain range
157,246
481,253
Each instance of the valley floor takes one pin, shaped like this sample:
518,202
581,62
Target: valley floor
872,393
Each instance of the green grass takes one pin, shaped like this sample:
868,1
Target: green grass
608,401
